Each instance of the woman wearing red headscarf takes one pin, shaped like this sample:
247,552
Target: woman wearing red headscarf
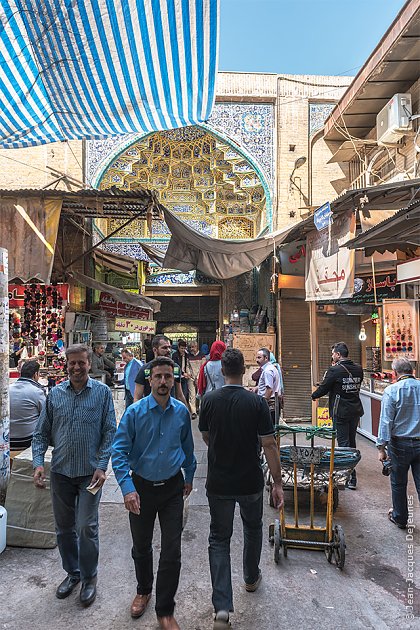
210,376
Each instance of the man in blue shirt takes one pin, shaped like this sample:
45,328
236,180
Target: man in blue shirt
399,429
153,442
79,421
131,369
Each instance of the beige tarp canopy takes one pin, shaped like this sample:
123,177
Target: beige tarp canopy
216,258
119,294
28,230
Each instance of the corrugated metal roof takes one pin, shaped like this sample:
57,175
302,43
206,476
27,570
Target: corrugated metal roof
93,203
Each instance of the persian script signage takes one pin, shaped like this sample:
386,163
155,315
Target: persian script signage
108,304
386,289
329,266
250,343
17,293
135,325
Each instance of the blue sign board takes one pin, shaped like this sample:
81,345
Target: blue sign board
322,216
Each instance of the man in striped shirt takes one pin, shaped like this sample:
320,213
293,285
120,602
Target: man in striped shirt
79,421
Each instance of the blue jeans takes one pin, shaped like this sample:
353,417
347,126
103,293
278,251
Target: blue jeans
404,452
76,524
222,511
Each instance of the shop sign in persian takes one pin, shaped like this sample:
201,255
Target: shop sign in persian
400,330
108,304
329,271
386,289
323,216
323,417
292,258
135,325
17,293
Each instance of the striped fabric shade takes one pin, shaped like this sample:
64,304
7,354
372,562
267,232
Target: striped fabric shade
98,68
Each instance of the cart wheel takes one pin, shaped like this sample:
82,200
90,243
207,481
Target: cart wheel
335,498
328,550
284,550
339,546
277,541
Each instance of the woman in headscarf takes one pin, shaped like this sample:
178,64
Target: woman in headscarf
210,376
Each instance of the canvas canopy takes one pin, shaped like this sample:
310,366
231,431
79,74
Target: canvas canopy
216,258
95,68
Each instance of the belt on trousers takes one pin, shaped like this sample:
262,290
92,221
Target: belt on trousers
156,484
403,437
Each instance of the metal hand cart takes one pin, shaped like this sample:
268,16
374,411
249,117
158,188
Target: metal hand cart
312,467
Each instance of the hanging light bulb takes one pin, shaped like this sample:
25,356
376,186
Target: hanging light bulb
362,333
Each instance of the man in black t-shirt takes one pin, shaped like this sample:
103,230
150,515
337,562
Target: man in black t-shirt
162,348
234,424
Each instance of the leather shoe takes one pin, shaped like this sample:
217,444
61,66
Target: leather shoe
139,605
67,586
168,623
88,592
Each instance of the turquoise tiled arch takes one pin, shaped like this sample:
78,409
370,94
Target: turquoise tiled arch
127,142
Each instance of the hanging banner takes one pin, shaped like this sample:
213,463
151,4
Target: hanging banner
135,325
110,305
17,293
400,330
329,273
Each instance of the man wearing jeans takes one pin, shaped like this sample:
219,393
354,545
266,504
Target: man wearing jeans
342,382
399,429
153,442
234,422
79,421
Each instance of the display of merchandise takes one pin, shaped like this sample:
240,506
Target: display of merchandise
399,332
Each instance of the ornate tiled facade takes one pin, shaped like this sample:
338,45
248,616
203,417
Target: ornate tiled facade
251,125
318,113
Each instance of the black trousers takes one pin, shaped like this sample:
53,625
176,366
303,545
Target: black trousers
346,434
167,503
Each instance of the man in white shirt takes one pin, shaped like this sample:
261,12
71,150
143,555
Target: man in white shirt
269,382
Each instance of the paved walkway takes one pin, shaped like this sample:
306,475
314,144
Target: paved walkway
302,592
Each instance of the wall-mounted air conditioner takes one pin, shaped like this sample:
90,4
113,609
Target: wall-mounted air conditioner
393,121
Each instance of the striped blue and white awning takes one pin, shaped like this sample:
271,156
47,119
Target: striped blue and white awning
72,69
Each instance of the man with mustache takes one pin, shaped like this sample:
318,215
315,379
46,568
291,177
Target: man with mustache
78,419
153,442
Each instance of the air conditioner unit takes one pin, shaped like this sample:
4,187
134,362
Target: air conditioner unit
393,121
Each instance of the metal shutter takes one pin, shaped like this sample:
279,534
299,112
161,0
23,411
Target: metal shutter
296,358
333,328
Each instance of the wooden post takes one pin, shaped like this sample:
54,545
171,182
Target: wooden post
4,375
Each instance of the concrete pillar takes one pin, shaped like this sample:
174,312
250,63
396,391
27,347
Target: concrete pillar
4,374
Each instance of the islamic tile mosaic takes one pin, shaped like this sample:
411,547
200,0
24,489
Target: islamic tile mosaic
318,113
252,126
231,228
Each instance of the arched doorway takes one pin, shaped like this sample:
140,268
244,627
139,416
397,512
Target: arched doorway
207,181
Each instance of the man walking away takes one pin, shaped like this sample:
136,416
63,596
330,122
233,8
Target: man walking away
27,398
79,421
342,382
399,430
234,424
131,369
153,442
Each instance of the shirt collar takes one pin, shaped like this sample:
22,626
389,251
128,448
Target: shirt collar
154,403
88,384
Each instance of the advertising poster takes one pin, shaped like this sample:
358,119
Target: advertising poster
329,273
